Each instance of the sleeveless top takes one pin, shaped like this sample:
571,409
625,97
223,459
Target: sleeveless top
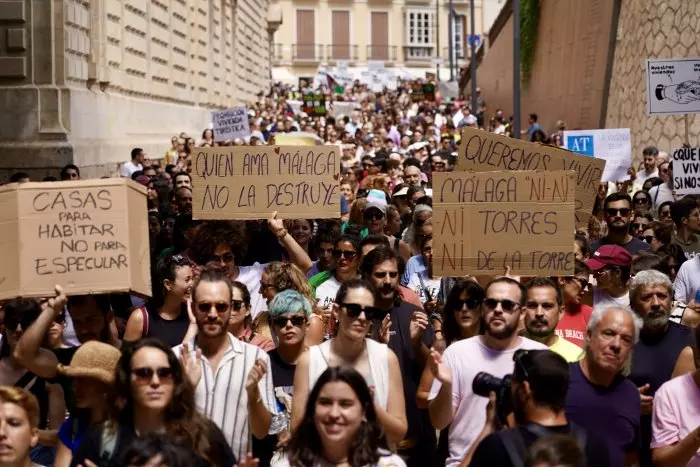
377,355
169,331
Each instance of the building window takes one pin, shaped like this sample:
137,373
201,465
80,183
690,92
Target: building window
458,22
420,25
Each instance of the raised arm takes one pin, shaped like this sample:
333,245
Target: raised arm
297,255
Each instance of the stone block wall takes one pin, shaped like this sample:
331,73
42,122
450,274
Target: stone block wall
650,29
84,81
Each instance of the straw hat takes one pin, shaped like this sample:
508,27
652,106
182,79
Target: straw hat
93,360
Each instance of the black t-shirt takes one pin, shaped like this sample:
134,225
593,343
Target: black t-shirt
492,452
419,426
172,332
634,246
90,445
653,360
283,382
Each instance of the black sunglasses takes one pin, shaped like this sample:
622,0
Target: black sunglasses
221,307
226,258
640,200
337,254
281,321
353,310
648,238
507,305
11,322
60,318
613,212
637,225
376,215
470,303
146,374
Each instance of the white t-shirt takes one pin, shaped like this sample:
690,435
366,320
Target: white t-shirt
250,276
466,358
687,280
326,292
415,284
643,175
659,195
389,460
128,168
602,300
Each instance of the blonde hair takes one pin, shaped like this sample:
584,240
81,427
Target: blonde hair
24,399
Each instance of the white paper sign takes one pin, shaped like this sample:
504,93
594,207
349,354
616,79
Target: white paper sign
230,124
686,171
614,146
342,108
673,86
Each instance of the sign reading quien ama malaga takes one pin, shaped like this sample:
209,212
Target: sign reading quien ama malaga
251,182
482,151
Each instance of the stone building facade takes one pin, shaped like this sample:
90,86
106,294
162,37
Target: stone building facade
84,81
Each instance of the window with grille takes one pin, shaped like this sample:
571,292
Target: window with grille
420,31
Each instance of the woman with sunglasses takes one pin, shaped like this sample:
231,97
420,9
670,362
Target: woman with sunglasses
55,335
289,312
665,214
278,277
639,224
641,202
355,309
340,426
240,322
152,395
421,214
658,235
167,315
346,253
573,322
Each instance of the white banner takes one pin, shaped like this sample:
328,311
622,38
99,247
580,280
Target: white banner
673,86
686,171
613,146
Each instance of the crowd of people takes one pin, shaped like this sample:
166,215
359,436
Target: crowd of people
331,342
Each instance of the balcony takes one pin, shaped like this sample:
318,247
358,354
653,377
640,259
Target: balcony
309,53
418,55
385,53
346,52
278,54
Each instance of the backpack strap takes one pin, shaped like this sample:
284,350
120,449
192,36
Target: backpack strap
108,444
146,322
515,446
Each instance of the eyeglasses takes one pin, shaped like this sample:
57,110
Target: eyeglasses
281,321
648,238
640,200
381,275
337,254
178,259
665,214
533,305
60,318
583,283
612,212
376,215
353,310
226,258
638,226
470,303
145,375
237,304
221,307
366,165
506,305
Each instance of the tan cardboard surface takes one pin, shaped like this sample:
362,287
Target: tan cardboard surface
88,236
482,151
485,221
251,182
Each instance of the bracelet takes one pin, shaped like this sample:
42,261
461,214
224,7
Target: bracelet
281,234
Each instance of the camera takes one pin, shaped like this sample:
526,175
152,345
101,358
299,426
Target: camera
485,383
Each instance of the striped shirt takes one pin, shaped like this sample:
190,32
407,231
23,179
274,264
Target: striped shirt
222,396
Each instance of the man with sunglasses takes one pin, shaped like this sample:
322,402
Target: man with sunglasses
452,399
686,216
573,321
611,269
543,304
618,216
232,378
538,387
410,338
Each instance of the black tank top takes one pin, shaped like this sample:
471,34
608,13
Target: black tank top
169,331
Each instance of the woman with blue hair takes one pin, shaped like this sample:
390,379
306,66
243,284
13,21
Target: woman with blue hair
289,312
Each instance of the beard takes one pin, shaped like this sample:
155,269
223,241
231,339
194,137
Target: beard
655,320
540,332
504,333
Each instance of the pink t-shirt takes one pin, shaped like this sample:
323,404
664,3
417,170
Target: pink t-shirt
466,358
676,413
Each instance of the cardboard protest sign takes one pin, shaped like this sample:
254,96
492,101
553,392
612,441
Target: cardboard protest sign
339,108
88,236
673,86
315,104
611,145
686,171
230,124
251,182
482,151
485,221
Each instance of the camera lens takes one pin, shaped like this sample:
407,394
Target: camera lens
485,383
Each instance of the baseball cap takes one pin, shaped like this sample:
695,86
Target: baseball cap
609,255
376,199
400,190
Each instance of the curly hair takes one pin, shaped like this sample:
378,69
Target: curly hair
303,448
183,423
212,234
286,276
